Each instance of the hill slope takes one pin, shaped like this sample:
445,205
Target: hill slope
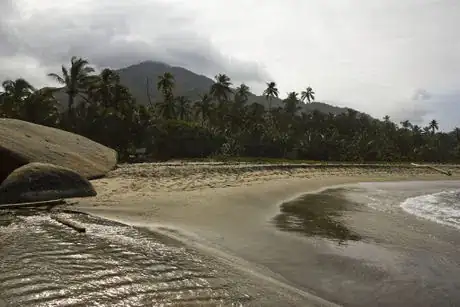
144,76
188,84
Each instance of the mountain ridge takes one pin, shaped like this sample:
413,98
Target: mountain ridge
188,83
191,84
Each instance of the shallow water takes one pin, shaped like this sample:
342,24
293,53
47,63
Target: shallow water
355,245
46,264
393,243
317,215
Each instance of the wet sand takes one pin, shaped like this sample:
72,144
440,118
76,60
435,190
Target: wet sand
112,264
235,216
219,234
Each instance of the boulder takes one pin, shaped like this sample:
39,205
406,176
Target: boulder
23,142
41,182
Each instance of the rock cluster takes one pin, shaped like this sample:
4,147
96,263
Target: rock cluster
44,163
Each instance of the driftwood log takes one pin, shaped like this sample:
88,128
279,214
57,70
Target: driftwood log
75,226
445,172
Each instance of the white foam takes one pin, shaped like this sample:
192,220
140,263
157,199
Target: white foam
442,207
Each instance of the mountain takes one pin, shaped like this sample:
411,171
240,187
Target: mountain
143,77
188,84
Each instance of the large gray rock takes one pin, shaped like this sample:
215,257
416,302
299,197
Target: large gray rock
40,182
23,142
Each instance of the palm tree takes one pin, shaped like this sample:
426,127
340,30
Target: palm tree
40,107
203,108
255,110
270,92
242,94
221,90
182,107
291,103
406,124
308,94
166,109
75,79
166,84
103,89
433,126
457,134
15,93
18,89
416,129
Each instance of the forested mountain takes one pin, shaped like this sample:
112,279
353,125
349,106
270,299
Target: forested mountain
188,84
194,116
141,80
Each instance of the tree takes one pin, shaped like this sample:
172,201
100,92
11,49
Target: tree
270,92
15,93
291,103
166,109
104,87
242,94
433,126
166,84
406,124
40,107
183,107
221,90
74,79
456,133
109,114
308,95
203,108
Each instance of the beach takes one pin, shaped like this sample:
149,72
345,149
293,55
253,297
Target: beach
228,213
297,236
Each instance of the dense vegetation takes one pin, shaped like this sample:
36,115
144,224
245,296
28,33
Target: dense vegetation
223,121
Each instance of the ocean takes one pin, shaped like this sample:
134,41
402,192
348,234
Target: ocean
366,244
388,243
441,207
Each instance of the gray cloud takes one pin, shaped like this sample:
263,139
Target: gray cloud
426,106
7,47
444,107
371,56
114,34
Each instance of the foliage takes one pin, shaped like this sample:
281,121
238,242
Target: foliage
223,122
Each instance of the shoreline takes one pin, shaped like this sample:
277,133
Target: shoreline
144,180
227,216
139,197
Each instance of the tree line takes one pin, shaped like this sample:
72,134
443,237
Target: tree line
222,122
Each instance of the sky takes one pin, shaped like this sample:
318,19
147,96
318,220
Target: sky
383,57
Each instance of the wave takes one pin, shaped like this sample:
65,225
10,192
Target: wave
442,207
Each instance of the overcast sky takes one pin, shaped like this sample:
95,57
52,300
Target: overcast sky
396,57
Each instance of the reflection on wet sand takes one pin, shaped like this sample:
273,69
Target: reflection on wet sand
317,215
45,264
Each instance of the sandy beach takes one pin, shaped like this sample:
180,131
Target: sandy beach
225,210
144,180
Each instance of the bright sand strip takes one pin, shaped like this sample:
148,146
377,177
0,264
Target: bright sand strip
223,206
157,188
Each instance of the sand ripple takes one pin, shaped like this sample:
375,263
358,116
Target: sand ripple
46,264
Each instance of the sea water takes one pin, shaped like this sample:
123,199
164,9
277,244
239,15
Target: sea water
441,207
368,244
